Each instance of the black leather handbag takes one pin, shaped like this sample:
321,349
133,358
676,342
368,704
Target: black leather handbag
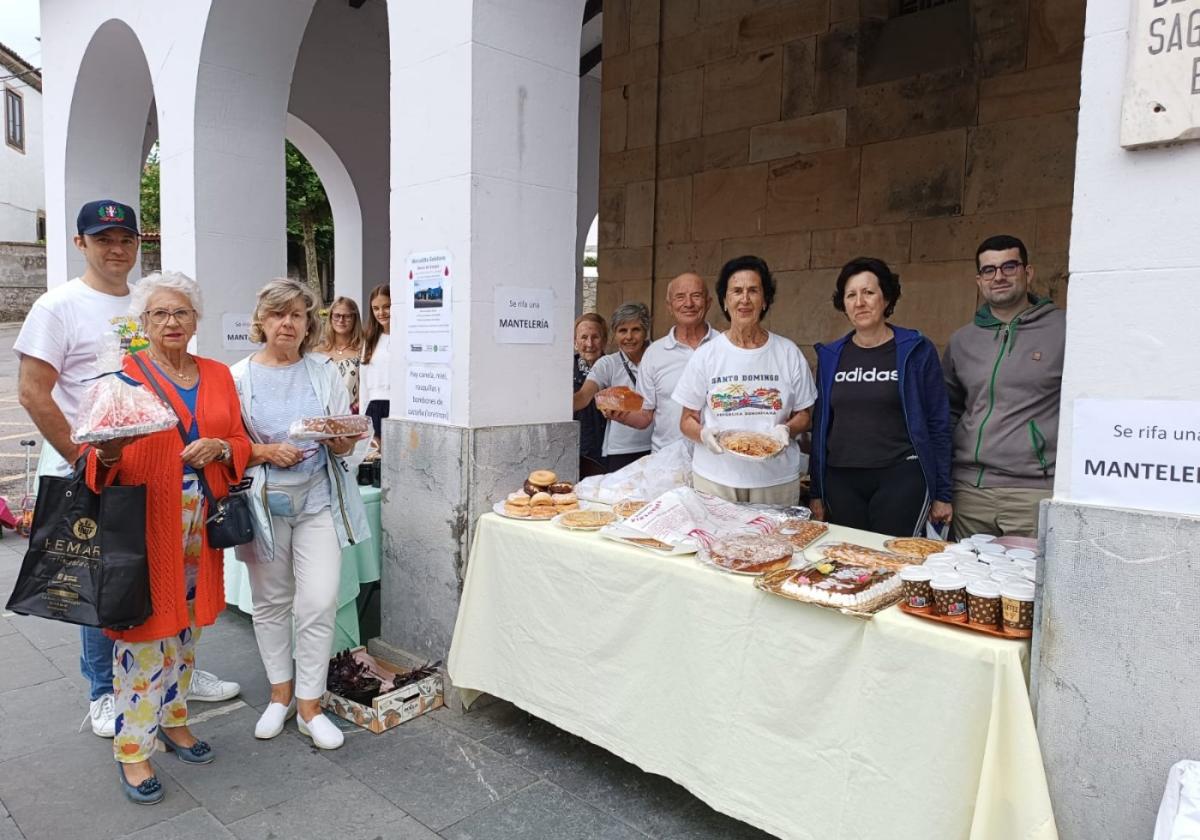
229,521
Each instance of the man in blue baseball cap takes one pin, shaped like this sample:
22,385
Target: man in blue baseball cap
57,347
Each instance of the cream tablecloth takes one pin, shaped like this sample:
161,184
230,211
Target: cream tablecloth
802,721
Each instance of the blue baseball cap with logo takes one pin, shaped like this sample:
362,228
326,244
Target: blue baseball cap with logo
96,216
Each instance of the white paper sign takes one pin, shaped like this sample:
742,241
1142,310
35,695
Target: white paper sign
1162,77
426,304
1137,454
523,316
235,332
428,393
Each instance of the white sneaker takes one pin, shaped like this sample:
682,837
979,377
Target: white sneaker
103,715
322,731
272,720
208,688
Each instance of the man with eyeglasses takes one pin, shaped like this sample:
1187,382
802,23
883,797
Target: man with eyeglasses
57,347
1004,374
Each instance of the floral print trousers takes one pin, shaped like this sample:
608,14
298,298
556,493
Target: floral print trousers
151,679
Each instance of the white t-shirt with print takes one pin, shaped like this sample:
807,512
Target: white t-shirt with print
658,374
65,329
735,388
619,439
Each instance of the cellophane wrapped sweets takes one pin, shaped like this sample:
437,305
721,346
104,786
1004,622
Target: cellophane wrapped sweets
320,428
117,406
619,398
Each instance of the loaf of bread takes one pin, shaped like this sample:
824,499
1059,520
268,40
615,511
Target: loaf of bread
618,398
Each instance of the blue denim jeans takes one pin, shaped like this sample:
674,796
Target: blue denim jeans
96,660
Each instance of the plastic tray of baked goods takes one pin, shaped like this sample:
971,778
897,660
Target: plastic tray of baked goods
858,591
748,553
920,547
859,555
749,445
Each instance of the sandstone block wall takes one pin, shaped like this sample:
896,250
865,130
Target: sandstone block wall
22,278
812,131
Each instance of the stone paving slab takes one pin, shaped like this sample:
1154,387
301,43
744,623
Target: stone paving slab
439,776
196,824
70,791
539,812
494,774
345,809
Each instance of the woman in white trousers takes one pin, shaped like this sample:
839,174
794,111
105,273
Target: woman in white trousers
305,509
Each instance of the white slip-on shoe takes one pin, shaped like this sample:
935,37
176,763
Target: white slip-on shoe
272,720
209,688
322,731
102,713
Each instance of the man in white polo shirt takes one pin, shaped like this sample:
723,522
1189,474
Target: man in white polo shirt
57,347
665,359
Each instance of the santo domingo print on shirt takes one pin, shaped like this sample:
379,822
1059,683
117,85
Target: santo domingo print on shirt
745,394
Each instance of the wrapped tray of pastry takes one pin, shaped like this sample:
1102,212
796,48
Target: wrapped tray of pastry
619,398
748,553
859,555
920,547
860,591
322,428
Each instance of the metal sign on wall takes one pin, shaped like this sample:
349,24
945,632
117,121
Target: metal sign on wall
1162,78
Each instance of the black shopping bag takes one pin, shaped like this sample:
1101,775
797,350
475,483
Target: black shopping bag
86,562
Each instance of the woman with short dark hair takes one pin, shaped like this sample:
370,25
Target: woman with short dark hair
746,379
881,436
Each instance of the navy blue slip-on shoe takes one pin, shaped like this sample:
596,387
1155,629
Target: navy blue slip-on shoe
198,753
149,792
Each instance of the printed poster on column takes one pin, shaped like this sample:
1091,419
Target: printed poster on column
1137,454
428,393
523,315
426,303
235,331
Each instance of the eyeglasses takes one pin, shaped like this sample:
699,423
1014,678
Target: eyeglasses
1007,269
158,317
342,316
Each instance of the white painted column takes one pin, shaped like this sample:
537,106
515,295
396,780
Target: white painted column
484,120
1115,693
485,99
588,204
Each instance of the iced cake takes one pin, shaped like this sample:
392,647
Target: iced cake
840,584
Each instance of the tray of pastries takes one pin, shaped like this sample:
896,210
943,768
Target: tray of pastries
748,554
920,547
585,520
860,555
321,428
802,533
541,498
754,446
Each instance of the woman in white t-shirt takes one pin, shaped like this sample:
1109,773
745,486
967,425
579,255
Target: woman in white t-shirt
748,379
374,385
631,327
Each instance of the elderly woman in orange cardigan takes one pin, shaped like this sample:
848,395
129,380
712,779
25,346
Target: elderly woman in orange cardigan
153,663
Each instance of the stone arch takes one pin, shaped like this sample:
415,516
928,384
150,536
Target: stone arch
235,185
111,106
343,202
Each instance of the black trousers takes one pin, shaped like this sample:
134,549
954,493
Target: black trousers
616,462
377,410
889,500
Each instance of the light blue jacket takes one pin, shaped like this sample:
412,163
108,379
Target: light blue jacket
346,507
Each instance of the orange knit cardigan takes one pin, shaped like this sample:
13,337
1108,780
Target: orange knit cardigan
154,461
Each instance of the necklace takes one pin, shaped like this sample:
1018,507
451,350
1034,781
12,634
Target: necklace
178,373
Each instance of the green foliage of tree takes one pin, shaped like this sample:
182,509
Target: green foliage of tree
150,214
309,218
589,262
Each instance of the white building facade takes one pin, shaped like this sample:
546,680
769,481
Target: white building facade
22,181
